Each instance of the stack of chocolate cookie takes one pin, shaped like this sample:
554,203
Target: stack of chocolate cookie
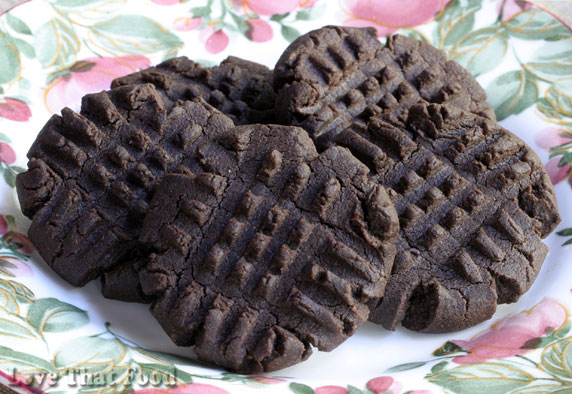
263,213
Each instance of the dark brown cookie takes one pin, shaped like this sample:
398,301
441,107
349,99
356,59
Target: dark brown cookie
239,88
334,77
91,176
272,251
473,199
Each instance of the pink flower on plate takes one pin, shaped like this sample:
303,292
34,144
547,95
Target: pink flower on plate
384,384
166,2
259,30
14,109
16,237
549,138
7,154
193,388
388,16
15,267
512,335
89,76
271,7
510,8
4,226
266,379
186,24
330,390
214,40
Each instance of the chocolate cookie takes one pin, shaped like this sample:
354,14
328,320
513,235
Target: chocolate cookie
474,202
239,88
336,77
272,251
91,176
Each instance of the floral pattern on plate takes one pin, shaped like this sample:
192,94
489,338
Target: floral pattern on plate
52,52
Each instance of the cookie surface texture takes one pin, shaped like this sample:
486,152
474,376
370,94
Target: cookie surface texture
336,77
91,176
239,88
275,249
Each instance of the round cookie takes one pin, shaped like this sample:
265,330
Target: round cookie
474,202
240,89
90,177
273,250
336,77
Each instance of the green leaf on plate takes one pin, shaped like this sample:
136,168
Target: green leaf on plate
134,34
439,367
557,103
10,66
53,315
481,50
536,24
279,17
488,377
299,388
240,23
14,359
566,232
308,14
556,359
289,33
9,176
456,21
17,24
511,93
94,354
18,169
16,288
56,44
544,388
569,242
5,138
12,325
405,367
168,374
552,61
448,348
88,12
199,12
24,47
354,390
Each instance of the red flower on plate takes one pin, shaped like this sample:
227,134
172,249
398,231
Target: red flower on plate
259,30
514,335
330,390
387,16
7,154
193,388
215,40
272,7
16,237
89,76
384,384
14,109
510,8
550,138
